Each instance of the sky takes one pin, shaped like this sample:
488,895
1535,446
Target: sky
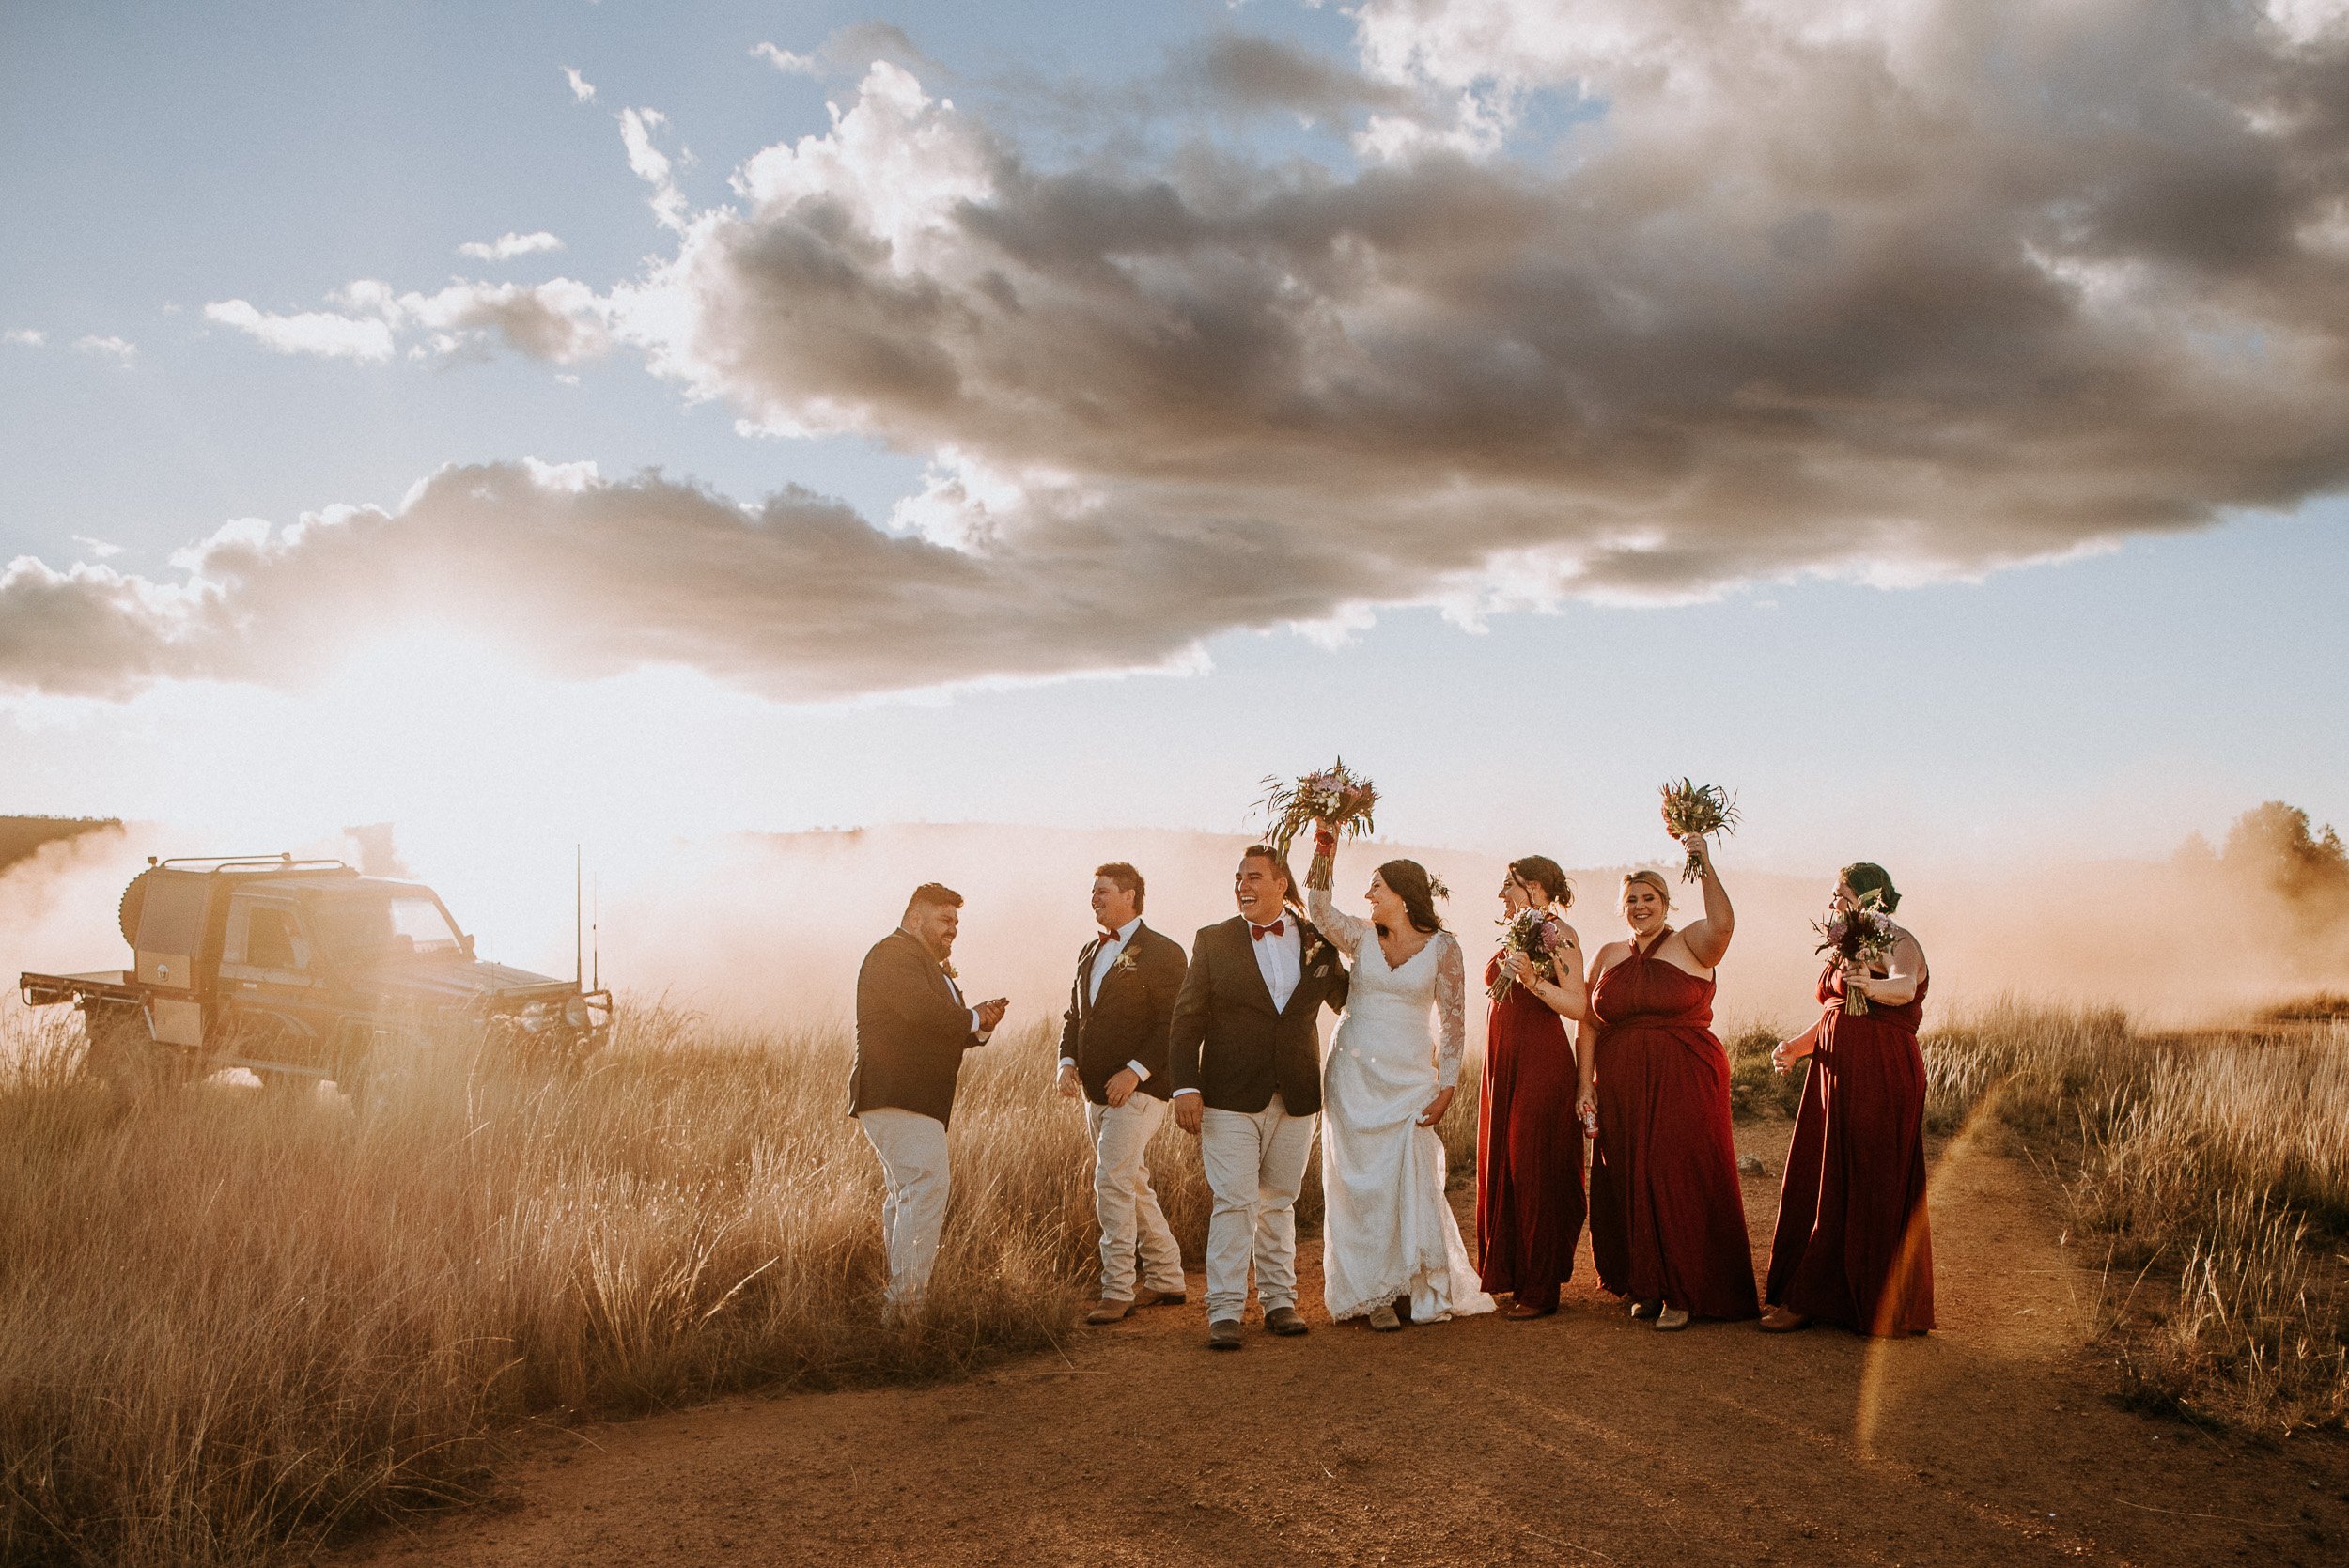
539,424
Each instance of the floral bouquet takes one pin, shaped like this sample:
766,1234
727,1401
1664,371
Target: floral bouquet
1335,795
1689,808
1535,935
1860,935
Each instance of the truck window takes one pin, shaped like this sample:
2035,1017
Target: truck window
375,922
268,943
265,936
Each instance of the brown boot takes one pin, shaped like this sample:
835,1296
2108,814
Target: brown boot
1285,1320
1223,1334
1146,1296
1109,1310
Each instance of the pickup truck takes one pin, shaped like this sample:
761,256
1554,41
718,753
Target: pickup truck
302,970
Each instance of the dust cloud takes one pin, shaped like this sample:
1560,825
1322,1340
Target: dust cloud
768,929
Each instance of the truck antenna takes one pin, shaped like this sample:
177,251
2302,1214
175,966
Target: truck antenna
579,860
594,931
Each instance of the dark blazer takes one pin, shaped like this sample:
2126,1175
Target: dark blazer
910,1032
1128,1022
1227,1042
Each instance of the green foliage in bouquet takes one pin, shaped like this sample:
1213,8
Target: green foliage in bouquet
1335,795
1690,807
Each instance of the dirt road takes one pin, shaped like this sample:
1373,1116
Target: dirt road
1578,1438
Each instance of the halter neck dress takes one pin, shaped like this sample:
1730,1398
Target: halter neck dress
1853,1246
1667,1219
1529,1200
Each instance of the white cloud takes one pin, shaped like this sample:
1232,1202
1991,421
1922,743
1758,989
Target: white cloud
27,337
1886,294
786,62
114,348
311,332
560,320
651,166
583,91
507,246
99,547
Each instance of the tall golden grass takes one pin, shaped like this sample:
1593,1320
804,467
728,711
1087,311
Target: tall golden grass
2215,1169
232,1322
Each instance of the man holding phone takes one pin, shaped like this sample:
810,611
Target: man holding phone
912,1029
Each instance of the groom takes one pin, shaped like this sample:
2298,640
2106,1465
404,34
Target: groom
1244,1052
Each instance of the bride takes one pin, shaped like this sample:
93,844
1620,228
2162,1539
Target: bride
1387,1232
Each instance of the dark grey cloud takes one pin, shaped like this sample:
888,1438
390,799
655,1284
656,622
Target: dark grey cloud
1891,293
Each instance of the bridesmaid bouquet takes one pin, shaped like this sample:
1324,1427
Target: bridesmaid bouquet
1690,807
1859,936
1535,935
1336,797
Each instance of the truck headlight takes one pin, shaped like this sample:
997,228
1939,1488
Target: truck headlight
575,1012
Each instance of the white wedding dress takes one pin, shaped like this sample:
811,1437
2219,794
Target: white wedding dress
1387,1230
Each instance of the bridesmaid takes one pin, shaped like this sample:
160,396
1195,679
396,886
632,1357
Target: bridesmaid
1667,1223
1529,1143
1852,1246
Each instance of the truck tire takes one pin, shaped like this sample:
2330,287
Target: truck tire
123,1054
133,901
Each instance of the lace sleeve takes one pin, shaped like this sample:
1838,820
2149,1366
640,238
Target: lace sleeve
1344,931
1451,1010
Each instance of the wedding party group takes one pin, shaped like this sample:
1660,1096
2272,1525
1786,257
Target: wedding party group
1606,1096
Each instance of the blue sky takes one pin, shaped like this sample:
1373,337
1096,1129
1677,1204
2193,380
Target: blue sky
2156,682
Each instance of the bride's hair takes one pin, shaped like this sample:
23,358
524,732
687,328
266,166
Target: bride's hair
1408,881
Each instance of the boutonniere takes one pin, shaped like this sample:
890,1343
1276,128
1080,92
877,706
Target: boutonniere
1126,962
947,970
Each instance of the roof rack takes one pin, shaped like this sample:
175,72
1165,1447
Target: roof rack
210,864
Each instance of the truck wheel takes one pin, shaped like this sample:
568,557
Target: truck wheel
134,900
123,1054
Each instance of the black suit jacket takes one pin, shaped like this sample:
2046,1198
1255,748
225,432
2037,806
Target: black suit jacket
1226,1039
1128,1022
910,1032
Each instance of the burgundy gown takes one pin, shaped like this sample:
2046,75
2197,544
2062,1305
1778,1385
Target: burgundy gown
1853,1246
1668,1221
1528,1151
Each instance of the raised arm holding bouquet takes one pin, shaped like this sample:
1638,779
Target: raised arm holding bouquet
1692,808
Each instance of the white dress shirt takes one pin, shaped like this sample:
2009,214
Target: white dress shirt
1105,959
957,991
1281,960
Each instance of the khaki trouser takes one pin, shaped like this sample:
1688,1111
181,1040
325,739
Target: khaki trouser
1132,1225
913,1151
1254,1164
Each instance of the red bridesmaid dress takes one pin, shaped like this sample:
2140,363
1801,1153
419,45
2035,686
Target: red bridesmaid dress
1528,1151
1668,1221
1853,1246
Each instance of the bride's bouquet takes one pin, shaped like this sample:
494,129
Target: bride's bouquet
1690,807
1535,935
1859,936
1336,797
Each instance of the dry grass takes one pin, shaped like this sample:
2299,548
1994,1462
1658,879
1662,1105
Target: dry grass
233,1322
2216,1170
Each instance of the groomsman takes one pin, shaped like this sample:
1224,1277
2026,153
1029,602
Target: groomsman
1113,1053
912,1029
1244,1050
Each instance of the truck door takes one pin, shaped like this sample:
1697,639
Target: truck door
269,981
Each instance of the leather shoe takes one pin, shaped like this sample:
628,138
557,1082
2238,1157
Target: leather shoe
1778,1320
1223,1334
1383,1319
1109,1310
1643,1311
1285,1320
1521,1311
1146,1296
1671,1320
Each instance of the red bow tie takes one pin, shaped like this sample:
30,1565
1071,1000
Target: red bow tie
1107,936
1259,933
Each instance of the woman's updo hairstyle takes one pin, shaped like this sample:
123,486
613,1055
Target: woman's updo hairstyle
1408,881
1653,878
1540,871
1866,876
